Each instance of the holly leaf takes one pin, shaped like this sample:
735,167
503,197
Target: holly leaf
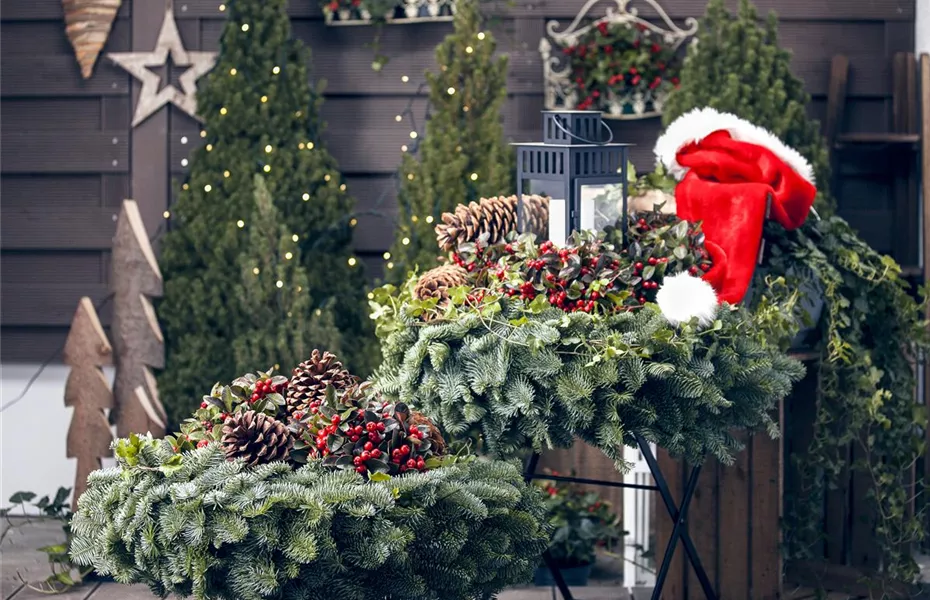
378,476
680,229
335,442
648,272
680,252
345,462
376,465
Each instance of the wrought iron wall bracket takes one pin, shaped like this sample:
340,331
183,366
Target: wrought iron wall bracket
677,513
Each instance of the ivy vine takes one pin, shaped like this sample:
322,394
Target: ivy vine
872,333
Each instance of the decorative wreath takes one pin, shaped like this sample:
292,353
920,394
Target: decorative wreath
597,340
380,507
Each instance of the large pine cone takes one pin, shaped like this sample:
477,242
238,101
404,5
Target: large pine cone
495,217
310,378
436,282
256,438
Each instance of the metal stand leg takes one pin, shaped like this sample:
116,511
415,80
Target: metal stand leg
547,558
677,514
679,530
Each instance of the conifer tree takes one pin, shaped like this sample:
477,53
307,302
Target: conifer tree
738,67
273,282
463,156
260,117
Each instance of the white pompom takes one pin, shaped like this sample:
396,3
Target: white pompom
683,297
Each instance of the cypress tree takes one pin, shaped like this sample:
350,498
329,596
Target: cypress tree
260,117
463,156
738,67
273,283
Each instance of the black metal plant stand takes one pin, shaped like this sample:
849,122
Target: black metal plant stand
677,513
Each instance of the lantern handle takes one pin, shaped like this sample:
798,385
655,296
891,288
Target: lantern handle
610,134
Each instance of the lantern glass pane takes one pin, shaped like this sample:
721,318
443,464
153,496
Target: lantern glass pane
601,206
558,226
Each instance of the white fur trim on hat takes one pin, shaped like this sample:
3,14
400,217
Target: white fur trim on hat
694,126
683,297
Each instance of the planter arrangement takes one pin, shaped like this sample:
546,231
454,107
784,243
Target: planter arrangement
620,64
310,488
526,345
581,522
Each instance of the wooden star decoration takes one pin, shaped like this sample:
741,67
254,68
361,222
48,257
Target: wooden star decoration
139,63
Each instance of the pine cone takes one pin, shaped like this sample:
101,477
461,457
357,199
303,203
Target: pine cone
310,378
439,444
495,217
256,438
436,282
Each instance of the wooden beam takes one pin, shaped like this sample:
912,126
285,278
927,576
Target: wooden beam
65,152
70,228
44,75
47,304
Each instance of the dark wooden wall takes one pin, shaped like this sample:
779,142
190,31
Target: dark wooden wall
67,145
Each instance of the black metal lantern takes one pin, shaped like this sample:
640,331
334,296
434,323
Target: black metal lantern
574,169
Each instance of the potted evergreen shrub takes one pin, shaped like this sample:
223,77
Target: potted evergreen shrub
581,522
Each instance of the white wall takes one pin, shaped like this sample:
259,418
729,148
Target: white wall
33,431
923,27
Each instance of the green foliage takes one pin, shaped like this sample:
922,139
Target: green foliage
523,376
218,530
280,324
870,330
738,67
65,574
462,157
580,522
871,324
260,117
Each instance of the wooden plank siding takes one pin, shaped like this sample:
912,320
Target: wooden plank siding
60,185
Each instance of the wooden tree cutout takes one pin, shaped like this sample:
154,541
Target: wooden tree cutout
137,338
88,392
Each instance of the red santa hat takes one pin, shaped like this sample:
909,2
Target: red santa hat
732,176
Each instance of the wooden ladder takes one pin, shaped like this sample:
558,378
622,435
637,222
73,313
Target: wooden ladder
904,140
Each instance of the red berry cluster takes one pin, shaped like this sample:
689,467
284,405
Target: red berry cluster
368,435
263,387
576,278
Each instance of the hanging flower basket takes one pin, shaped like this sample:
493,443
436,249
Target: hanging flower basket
593,340
303,491
620,64
367,12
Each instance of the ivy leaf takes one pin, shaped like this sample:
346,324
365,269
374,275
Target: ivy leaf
538,305
171,465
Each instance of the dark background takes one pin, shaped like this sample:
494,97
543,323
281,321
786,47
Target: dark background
69,155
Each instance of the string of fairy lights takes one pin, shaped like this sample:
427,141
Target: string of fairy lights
406,115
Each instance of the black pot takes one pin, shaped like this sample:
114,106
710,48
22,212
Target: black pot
811,302
573,576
